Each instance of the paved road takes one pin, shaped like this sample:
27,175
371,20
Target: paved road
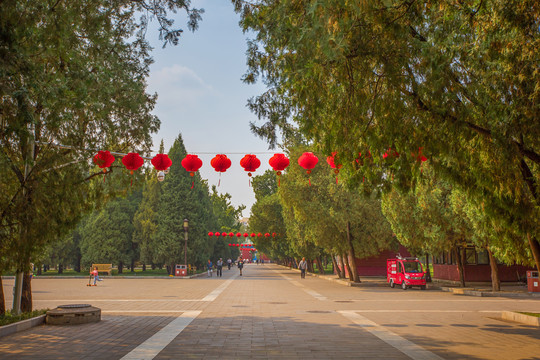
270,313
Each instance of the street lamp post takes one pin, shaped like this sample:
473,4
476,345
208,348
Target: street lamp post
186,226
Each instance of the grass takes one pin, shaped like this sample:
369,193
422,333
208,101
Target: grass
530,314
9,318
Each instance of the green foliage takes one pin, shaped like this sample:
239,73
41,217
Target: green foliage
9,318
459,80
267,216
179,201
107,236
71,73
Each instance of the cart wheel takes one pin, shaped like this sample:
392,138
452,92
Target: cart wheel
423,287
392,283
403,285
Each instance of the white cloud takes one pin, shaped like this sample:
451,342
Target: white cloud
178,85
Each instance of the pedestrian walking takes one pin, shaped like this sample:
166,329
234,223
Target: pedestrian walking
240,265
303,266
229,263
219,265
209,266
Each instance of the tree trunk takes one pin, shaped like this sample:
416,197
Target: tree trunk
78,263
495,281
342,263
428,271
335,267
320,265
535,249
39,269
60,269
132,265
120,267
352,255
153,266
310,265
459,261
2,300
347,266
143,267
26,298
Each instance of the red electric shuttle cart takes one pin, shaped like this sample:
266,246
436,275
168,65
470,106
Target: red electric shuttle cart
407,272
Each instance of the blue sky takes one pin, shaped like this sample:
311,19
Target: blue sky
201,96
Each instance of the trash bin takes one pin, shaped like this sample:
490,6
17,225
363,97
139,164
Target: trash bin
533,281
181,270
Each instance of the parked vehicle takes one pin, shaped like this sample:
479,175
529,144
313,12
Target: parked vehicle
407,272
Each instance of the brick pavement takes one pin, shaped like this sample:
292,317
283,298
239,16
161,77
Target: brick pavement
270,313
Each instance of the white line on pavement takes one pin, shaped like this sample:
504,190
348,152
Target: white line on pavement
214,294
120,300
405,346
315,294
152,346
429,311
143,311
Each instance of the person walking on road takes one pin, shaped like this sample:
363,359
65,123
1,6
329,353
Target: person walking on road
229,263
219,265
240,265
209,268
303,266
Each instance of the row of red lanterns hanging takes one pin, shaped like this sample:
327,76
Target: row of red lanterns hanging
192,163
231,234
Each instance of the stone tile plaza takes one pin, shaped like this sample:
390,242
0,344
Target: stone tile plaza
270,313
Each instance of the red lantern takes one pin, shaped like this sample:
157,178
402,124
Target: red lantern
132,162
278,162
419,157
231,234
250,163
253,235
331,161
246,235
223,234
217,233
103,159
210,234
161,162
308,161
273,234
220,163
230,244
191,163
267,234
238,234
259,235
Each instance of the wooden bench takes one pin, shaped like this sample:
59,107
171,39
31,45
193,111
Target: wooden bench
103,268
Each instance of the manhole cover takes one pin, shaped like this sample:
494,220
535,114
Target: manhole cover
74,306
319,311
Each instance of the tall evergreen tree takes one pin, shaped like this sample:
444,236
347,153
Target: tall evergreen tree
180,201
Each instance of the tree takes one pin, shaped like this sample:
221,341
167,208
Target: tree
108,234
267,216
457,80
145,221
72,74
178,202
227,220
